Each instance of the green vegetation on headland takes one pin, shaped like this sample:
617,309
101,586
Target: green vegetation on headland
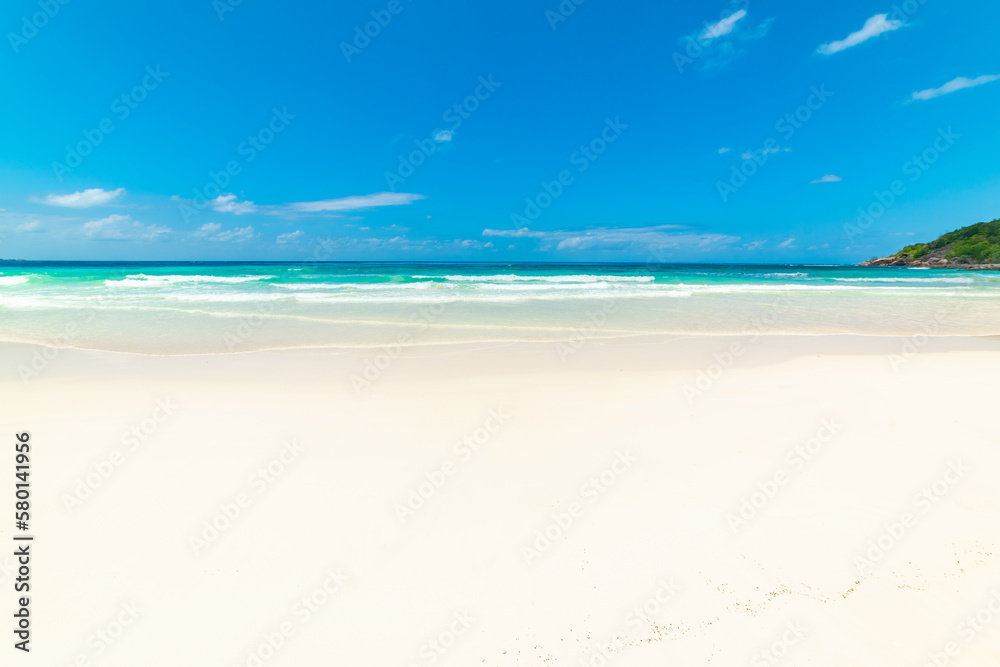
973,247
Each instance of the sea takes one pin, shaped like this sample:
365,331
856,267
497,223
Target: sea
223,307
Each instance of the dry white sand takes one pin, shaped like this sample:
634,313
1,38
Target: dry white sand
820,503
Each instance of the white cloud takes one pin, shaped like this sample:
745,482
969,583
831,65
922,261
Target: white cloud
399,244
722,27
829,178
123,228
765,152
29,226
444,135
228,203
290,237
625,238
723,150
787,243
83,199
637,241
212,231
760,32
376,200
961,83
875,26
514,233
236,234
208,228
721,42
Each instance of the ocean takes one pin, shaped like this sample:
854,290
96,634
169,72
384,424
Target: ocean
207,307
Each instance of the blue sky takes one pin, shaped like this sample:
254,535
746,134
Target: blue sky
753,131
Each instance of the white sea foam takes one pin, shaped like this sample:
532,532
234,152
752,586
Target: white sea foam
12,301
363,286
549,279
543,287
143,279
493,287
953,279
432,285
747,287
13,280
454,297
223,297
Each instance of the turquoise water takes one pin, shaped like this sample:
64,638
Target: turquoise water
221,307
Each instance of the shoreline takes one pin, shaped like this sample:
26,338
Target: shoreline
197,310
960,342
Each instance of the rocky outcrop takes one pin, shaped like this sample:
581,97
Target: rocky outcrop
932,260
886,261
974,247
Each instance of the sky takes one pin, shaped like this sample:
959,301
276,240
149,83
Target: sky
756,131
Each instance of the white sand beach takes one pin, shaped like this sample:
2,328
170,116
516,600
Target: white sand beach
822,501
500,334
